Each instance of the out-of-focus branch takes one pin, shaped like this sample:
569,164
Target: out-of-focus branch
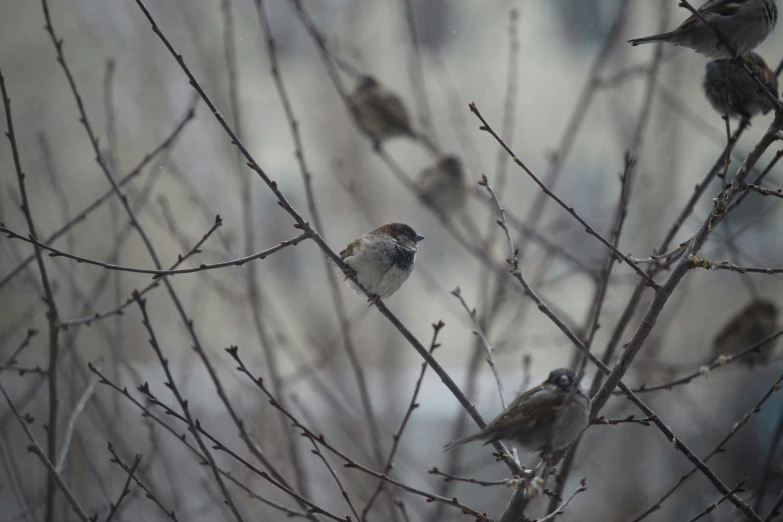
170,384
437,327
97,316
166,144
484,342
146,413
720,448
52,315
35,448
71,426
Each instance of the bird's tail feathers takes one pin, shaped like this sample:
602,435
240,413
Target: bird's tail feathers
463,440
650,39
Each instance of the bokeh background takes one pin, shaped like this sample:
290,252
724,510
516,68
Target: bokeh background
568,63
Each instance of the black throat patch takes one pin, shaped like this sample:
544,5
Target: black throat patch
403,257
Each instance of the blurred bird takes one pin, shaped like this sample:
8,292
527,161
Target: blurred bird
743,23
380,112
530,418
442,186
381,259
751,325
727,82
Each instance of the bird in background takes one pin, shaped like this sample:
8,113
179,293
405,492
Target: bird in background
731,91
743,23
381,260
531,417
381,114
749,326
442,186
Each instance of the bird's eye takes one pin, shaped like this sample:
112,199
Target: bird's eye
565,381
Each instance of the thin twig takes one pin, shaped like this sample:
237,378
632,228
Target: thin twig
51,311
157,273
146,413
483,339
631,419
484,483
71,426
344,493
35,448
97,316
184,405
704,371
775,512
219,446
718,449
147,492
725,265
24,344
485,127
349,462
82,215
709,509
436,327
560,510
125,488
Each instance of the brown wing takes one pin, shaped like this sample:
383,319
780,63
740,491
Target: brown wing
717,7
391,108
348,251
525,412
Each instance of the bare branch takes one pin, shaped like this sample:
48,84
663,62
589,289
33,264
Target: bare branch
482,338
125,488
35,448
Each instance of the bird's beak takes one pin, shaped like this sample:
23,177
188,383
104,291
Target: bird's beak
418,238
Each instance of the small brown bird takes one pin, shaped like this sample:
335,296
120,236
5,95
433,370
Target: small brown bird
380,113
727,82
382,259
530,418
442,186
743,23
751,325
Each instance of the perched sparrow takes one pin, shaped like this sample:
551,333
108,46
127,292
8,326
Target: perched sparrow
727,82
743,23
530,418
380,112
382,259
752,324
443,185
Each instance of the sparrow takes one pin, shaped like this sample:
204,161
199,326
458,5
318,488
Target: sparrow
442,186
743,23
379,112
530,418
727,82
381,260
752,324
